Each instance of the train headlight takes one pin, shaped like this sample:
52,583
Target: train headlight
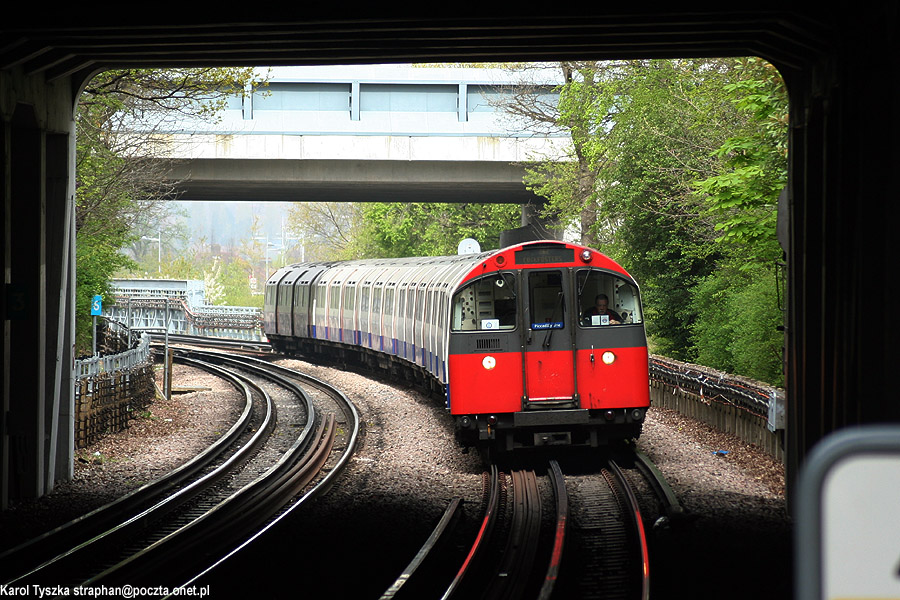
608,358
586,256
489,362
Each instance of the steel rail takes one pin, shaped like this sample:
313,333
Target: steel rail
562,515
488,523
434,540
661,488
518,558
217,342
35,554
640,533
321,487
147,560
68,564
233,517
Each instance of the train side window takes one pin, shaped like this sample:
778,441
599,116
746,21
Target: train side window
485,304
620,296
349,296
320,296
335,295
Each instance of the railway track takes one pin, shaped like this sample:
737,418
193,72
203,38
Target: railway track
547,535
293,438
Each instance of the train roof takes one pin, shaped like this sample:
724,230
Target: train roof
544,253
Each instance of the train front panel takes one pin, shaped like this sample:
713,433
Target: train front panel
534,361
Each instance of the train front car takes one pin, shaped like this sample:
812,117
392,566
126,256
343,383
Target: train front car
532,359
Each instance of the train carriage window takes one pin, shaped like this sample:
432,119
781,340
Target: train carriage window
335,295
389,306
376,299
485,304
364,300
320,296
598,290
349,296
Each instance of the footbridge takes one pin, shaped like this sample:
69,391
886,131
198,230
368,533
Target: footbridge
361,134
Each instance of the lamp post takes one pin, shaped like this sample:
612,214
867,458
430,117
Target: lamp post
269,246
158,240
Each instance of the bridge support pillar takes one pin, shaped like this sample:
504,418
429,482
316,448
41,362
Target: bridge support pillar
36,421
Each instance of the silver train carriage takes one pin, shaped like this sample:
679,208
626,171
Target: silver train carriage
506,336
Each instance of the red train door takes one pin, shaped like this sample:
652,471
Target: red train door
549,360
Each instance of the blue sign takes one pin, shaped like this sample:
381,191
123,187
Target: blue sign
97,305
556,325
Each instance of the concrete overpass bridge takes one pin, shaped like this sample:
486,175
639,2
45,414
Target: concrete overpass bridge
360,134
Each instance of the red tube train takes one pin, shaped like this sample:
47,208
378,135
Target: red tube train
508,336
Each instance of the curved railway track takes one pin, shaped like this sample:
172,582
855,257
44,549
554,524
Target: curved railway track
285,448
591,543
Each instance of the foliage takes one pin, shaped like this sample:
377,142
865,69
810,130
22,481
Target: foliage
327,229
737,328
660,142
580,108
674,170
744,196
120,181
431,229
212,284
96,259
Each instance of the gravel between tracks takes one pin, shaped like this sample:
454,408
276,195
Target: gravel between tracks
738,494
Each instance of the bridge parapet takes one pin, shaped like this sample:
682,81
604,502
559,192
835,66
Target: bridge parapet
178,306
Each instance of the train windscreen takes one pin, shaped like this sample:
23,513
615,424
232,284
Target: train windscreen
606,299
485,304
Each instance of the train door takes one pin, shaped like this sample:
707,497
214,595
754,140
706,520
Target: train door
549,361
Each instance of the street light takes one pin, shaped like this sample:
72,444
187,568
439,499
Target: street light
269,246
158,240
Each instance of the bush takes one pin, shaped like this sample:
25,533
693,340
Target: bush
736,326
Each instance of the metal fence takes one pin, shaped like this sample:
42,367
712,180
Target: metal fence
751,410
111,389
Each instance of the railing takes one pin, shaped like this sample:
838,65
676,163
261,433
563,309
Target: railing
130,359
751,410
110,389
178,315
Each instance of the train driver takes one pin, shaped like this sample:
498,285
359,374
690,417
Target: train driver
601,309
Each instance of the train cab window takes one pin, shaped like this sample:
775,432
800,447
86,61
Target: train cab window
485,304
606,299
547,300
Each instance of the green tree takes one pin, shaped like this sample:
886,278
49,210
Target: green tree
697,162
119,177
669,119
327,229
736,329
572,99
431,229
738,320
743,197
674,169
